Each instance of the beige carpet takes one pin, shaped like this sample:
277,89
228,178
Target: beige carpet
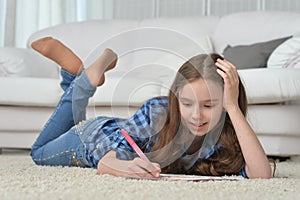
20,178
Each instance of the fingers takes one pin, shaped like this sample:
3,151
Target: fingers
228,71
141,168
231,83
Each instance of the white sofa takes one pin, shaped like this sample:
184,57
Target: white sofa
150,51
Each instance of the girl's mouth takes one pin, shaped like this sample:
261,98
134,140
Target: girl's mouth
198,126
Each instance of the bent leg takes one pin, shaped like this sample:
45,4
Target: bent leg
66,150
63,117
58,143
71,108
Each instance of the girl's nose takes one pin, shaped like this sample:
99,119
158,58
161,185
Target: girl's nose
197,114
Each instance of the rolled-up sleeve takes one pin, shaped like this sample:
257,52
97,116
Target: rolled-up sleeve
243,172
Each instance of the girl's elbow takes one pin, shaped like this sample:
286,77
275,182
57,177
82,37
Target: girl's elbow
101,168
266,174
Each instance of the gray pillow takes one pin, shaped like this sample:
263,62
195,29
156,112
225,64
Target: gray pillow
252,56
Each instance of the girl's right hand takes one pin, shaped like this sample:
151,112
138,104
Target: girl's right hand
141,168
137,167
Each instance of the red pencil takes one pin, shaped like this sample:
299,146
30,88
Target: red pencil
134,145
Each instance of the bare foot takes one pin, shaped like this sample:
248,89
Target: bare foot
59,53
95,72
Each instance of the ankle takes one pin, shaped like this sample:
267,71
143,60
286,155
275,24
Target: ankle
95,72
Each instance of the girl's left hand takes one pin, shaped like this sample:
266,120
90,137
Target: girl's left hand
231,83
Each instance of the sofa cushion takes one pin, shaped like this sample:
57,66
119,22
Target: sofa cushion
18,62
252,56
264,85
252,27
124,89
29,91
286,55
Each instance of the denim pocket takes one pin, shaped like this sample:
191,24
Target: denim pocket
79,157
79,162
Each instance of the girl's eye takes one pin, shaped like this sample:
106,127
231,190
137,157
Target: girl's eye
187,104
209,106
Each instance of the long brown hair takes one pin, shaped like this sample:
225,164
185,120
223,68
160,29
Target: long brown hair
228,158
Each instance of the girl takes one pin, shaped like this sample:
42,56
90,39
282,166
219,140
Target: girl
200,128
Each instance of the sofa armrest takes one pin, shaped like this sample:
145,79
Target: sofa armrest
21,62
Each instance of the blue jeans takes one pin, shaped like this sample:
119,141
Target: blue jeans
59,142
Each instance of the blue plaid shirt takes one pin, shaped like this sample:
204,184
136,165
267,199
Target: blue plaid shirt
103,134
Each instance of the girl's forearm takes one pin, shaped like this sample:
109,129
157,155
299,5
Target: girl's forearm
109,164
256,161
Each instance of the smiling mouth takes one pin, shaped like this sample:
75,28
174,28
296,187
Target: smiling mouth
199,125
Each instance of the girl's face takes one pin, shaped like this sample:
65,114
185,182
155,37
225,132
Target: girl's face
201,105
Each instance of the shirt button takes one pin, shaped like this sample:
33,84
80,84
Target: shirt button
97,146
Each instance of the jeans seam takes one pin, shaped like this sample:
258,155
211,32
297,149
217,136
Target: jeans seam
53,156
